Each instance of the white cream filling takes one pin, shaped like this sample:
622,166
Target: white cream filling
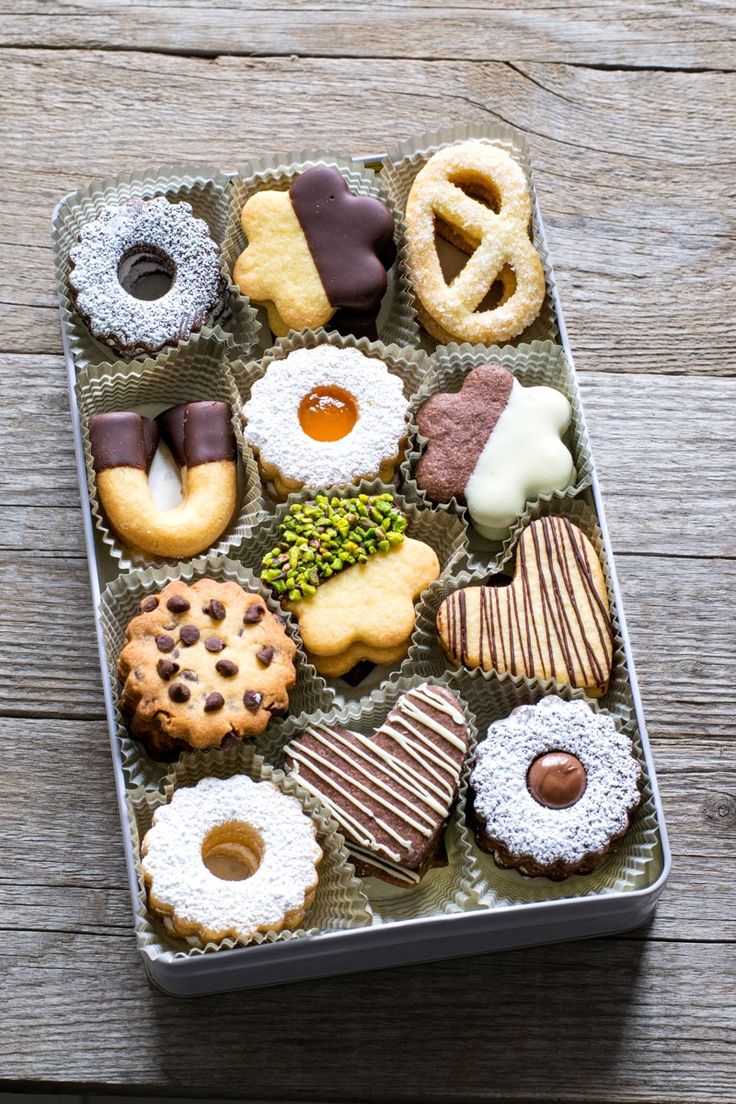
523,457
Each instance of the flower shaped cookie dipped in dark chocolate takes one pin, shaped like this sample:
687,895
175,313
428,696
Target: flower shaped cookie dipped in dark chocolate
316,255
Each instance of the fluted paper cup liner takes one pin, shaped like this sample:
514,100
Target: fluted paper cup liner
339,901
443,889
631,866
413,367
120,603
187,374
425,645
542,363
234,320
404,161
396,319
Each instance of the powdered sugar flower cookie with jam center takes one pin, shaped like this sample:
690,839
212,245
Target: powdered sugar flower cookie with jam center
324,417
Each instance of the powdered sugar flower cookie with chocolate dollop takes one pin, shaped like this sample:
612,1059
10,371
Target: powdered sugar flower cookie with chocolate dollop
326,416
230,858
554,787
494,445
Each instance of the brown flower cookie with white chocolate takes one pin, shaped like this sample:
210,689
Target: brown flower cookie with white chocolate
316,255
347,571
552,620
202,663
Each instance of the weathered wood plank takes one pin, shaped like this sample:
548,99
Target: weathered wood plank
653,438
86,1014
633,173
674,35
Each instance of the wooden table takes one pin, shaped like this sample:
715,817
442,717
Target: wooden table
630,113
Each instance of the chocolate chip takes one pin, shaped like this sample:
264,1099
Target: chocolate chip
214,644
213,702
149,603
252,699
277,710
178,692
226,667
165,643
254,614
139,674
266,655
167,669
189,634
189,675
177,604
214,609
229,740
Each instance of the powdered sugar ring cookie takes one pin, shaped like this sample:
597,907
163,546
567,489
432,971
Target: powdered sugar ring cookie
324,417
498,241
553,788
262,845
127,242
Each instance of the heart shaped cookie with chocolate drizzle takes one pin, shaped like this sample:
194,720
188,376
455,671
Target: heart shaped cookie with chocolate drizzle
552,621
390,792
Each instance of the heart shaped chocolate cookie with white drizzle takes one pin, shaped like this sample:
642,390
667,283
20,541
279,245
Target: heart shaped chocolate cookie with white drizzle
553,620
390,792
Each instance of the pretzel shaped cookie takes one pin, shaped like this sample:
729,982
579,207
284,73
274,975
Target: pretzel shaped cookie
443,198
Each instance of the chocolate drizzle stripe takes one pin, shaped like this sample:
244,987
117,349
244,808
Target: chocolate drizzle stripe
558,615
547,665
593,665
463,610
605,637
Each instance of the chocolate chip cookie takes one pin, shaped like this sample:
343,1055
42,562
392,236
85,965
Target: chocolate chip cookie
202,663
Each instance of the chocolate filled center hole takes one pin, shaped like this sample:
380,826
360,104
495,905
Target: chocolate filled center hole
328,413
557,779
232,851
146,273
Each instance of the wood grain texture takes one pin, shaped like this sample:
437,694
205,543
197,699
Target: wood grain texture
682,35
630,113
633,171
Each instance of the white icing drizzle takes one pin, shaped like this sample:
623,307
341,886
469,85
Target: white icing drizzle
396,869
427,792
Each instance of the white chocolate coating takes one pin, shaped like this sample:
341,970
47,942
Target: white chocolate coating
523,457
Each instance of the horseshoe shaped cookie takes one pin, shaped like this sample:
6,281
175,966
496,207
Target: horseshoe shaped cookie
202,443
552,621
443,198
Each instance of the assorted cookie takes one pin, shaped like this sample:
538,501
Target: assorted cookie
493,446
391,792
317,255
202,443
202,665
351,576
229,859
553,788
129,242
326,416
476,196
551,621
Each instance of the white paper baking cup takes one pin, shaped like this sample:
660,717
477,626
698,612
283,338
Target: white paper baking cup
195,371
120,602
414,367
631,866
396,320
443,889
542,363
425,644
404,160
234,320
339,901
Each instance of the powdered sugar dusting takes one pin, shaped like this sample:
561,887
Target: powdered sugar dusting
157,227
179,878
272,416
524,827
